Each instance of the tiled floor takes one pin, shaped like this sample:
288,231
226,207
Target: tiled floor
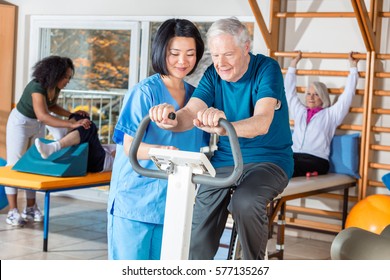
78,232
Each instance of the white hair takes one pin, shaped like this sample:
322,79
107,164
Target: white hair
231,26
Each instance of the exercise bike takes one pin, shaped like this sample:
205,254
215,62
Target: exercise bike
183,170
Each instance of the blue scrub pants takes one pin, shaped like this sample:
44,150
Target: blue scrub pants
133,240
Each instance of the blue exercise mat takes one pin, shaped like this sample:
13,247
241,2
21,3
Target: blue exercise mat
3,197
67,162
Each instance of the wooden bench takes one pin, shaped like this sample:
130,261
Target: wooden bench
48,185
298,187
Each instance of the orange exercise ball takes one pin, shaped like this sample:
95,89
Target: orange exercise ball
371,213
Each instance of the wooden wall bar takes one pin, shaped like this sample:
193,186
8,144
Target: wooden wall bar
377,145
373,97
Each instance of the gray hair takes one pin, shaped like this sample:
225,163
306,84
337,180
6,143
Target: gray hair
231,26
323,94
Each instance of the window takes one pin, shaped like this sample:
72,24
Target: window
103,50
101,57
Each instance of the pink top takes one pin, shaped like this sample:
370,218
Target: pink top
311,112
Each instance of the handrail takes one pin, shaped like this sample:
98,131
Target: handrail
196,179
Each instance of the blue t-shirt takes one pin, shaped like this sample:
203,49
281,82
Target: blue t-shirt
133,196
238,99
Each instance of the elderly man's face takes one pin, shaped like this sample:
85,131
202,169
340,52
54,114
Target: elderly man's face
230,60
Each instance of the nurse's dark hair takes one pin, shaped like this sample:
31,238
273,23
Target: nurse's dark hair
169,29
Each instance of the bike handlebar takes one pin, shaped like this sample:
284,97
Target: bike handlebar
196,179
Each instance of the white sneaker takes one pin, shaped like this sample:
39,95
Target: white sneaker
14,218
32,214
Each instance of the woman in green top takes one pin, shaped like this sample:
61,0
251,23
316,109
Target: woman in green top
27,122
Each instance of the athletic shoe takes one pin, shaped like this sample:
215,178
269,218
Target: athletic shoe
14,218
32,214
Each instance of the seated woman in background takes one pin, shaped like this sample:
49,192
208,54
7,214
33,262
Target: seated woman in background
100,157
315,122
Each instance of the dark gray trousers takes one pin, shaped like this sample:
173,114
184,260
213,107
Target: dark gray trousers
259,184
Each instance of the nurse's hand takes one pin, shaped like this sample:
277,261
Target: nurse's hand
163,115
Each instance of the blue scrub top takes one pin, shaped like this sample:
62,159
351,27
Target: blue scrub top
133,196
